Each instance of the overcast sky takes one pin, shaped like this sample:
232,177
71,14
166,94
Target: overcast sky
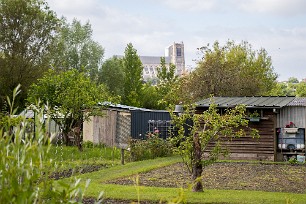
279,26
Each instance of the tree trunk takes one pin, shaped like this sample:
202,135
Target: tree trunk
65,136
197,167
77,137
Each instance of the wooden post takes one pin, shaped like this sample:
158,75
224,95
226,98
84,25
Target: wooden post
122,156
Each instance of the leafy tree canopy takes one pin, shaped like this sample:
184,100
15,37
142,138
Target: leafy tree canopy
133,77
71,95
112,75
77,50
301,89
27,32
293,80
232,70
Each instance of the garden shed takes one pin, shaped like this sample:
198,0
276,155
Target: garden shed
119,123
281,122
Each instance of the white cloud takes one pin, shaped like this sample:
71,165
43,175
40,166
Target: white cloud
191,5
279,7
196,23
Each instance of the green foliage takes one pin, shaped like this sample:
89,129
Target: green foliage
301,89
197,131
291,88
72,98
170,89
293,160
133,77
27,32
91,153
293,80
75,49
232,70
283,89
151,148
167,84
150,97
166,74
24,168
112,75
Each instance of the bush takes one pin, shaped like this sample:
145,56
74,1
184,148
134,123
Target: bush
151,148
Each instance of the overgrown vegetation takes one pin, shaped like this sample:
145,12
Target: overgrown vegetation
151,148
24,166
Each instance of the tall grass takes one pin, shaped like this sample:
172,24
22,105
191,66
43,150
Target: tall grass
24,165
71,153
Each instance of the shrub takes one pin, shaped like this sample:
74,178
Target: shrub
151,148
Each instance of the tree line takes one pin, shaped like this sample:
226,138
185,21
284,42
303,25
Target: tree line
57,62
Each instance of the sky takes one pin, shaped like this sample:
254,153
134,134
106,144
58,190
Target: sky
279,26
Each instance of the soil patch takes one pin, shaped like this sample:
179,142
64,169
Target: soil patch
77,170
234,176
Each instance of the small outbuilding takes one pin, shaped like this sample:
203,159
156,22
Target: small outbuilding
120,123
281,122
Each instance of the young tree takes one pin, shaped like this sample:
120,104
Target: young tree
112,75
133,77
167,81
27,32
77,50
72,98
203,130
232,70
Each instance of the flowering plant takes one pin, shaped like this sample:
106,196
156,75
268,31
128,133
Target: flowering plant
290,125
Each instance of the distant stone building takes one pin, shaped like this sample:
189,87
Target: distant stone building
173,54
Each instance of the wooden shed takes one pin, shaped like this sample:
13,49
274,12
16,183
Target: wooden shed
281,124
120,123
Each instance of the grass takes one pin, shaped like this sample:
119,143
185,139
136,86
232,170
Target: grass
69,156
166,194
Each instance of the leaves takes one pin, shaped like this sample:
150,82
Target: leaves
133,77
27,32
232,70
72,98
75,49
209,129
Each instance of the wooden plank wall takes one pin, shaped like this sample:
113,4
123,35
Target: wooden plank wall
104,128
248,148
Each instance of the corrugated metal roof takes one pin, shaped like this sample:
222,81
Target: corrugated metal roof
298,102
129,108
254,101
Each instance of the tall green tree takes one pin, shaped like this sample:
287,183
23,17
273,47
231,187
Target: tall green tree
232,70
72,98
77,50
133,77
167,82
27,32
112,75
